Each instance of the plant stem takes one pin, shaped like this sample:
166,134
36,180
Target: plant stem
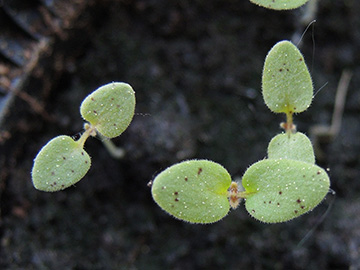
289,122
289,125
340,102
114,151
89,131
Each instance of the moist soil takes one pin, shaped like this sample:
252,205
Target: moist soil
196,69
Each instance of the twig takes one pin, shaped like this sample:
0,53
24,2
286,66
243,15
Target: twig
321,133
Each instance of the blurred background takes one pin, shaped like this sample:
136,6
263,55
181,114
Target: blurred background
196,69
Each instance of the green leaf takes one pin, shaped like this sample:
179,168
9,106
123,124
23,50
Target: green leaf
280,4
193,191
295,146
280,190
60,163
110,108
286,81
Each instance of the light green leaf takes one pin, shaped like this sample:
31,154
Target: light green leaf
110,108
295,146
286,81
193,191
60,163
280,4
280,190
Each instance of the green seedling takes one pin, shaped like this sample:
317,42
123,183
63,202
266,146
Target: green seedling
278,190
296,146
280,4
62,162
284,186
194,190
286,82
109,109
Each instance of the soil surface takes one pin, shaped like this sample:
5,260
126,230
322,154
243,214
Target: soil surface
196,69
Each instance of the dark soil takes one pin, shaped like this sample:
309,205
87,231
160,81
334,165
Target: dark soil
196,68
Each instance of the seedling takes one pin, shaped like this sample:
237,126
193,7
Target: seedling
280,4
284,186
296,146
194,190
62,162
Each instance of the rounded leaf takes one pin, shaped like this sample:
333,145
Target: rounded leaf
193,191
280,4
286,81
280,190
110,108
60,163
295,146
